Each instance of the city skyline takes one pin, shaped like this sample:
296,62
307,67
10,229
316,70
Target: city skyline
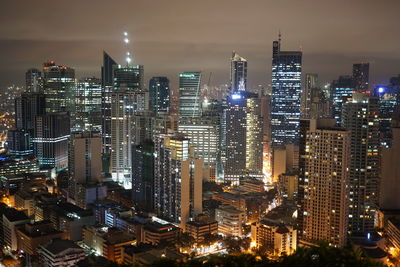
191,41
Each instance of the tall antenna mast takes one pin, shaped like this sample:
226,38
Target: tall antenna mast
128,58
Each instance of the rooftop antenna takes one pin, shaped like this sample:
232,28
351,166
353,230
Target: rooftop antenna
279,37
128,58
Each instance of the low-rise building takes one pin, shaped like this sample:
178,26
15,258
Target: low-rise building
252,185
237,201
230,220
11,219
155,232
58,252
200,228
287,186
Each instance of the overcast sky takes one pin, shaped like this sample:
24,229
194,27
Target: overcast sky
170,36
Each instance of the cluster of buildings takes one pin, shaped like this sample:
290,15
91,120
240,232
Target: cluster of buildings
113,168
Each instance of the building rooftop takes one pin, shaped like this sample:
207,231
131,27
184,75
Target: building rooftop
14,215
56,246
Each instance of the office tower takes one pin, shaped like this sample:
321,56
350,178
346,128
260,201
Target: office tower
267,152
33,81
361,76
311,82
341,91
87,115
389,186
242,137
50,142
238,73
19,141
27,107
143,175
189,94
107,83
128,97
177,180
286,95
142,127
58,83
84,162
204,137
159,94
360,117
388,97
323,200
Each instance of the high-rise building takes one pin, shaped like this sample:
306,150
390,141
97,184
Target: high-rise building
177,180
238,73
341,91
159,94
311,82
84,162
286,95
143,175
189,94
88,98
33,81
50,142
323,200
27,107
128,97
361,76
58,83
107,83
360,118
242,137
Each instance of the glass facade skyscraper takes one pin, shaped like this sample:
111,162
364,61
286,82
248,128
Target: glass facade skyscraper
361,76
238,73
286,95
341,91
189,94
159,94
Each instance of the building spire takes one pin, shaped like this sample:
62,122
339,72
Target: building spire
128,58
279,37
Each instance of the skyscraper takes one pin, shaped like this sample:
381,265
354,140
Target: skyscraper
323,182
178,179
238,73
189,94
311,82
33,81
107,83
361,76
50,140
84,162
341,91
128,97
242,136
159,94
286,95
88,99
360,118
59,83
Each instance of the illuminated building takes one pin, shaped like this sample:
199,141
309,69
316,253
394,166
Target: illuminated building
323,196
87,114
341,91
279,239
33,81
388,102
287,186
18,164
142,126
230,220
189,94
242,132
267,152
59,83
252,185
360,117
128,97
285,160
143,175
107,83
59,252
238,73
178,179
361,76
286,95
155,232
11,219
199,228
203,134
51,140
393,233
159,94
107,242
84,160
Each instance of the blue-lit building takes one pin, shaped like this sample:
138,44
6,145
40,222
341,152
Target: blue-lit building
238,73
159,94
286,95
341,90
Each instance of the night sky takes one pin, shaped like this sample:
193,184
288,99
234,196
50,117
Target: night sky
170,36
